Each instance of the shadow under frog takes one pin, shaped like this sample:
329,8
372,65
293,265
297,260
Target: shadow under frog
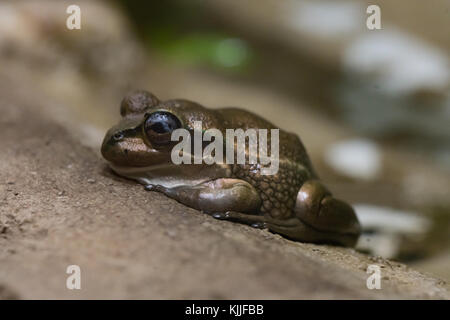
293,202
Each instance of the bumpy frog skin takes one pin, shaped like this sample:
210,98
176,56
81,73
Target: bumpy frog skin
293,202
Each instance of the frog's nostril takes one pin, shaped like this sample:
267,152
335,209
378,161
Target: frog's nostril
118,136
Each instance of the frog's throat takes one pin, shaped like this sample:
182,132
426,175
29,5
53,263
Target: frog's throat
147,175
171,175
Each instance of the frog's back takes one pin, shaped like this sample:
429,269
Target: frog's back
290,146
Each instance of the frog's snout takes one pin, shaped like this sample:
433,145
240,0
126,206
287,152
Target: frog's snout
126,148
112,147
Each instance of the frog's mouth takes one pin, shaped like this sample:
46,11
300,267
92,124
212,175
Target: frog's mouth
171,175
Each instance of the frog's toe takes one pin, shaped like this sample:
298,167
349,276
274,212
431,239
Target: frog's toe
155,187
150,187
259,225
255,221
220,215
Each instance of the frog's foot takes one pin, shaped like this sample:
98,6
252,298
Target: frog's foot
255,221
319,217
296,229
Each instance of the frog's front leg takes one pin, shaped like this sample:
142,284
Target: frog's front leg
217,197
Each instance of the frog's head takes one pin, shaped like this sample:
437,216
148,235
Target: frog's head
141,141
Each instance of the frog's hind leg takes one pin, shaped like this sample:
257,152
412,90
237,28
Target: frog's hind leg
296,229
319,217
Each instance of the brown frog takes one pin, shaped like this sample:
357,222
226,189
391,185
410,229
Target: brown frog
292,202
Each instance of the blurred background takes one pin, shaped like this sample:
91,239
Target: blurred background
371,106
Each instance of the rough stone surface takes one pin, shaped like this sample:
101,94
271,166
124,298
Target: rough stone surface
60,205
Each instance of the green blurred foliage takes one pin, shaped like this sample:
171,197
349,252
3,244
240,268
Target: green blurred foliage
181,33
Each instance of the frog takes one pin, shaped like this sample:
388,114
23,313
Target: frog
293,202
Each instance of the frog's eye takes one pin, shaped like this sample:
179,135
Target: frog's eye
159,126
